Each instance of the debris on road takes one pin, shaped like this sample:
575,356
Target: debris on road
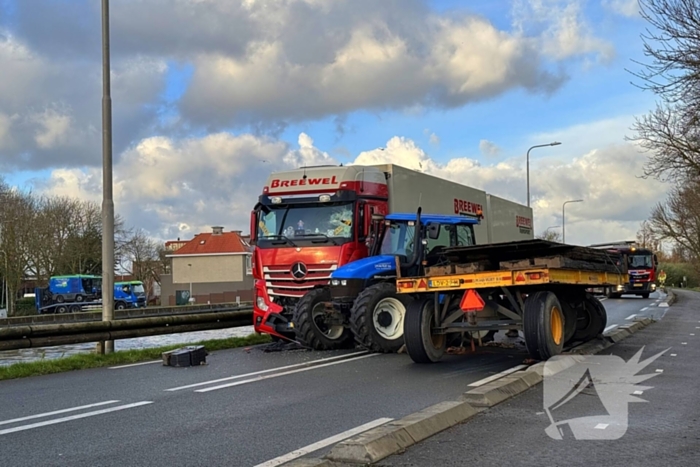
186,356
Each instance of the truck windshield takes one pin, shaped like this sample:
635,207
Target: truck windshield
137,288
639,261
332,222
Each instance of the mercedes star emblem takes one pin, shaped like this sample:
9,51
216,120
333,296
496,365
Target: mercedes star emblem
299,270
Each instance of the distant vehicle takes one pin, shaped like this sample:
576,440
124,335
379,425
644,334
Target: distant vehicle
75,293
639,263
130,294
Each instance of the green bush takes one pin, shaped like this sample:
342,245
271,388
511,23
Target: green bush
676,271
25,306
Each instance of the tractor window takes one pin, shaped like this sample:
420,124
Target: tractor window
398,239
465,235
442,241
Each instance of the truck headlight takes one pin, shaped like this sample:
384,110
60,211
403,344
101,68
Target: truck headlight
339,282
620,287
653,286
260,302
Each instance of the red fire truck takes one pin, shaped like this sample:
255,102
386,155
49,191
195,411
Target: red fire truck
639,263
310,221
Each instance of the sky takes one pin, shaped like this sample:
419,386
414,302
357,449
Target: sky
211,96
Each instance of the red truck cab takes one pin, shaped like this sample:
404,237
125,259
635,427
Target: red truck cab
307,223
640,265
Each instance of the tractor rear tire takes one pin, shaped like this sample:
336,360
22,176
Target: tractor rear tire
312,333
421,345
377,318
544,325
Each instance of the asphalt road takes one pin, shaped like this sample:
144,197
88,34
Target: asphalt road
244,408
662,430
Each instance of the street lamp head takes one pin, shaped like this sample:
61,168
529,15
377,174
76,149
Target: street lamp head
555,143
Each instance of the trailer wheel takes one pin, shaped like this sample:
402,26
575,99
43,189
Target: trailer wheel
377,318
61,309
75,308
309,325
543,325
421,344
592,319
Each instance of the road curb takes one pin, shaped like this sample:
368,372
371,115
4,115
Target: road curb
392,438
386,440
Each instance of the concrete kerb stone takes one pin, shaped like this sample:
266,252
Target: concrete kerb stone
502,389
618,334
393,437
313,462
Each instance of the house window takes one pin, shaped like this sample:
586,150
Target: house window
249,264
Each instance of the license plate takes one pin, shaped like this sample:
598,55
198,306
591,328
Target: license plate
443,283
639,285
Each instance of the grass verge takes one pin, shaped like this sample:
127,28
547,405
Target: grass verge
122,357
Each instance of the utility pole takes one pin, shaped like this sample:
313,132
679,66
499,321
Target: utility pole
107,347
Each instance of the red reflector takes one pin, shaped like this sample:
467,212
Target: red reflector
520,278
471,301
422,284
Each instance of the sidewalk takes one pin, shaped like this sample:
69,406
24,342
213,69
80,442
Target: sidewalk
663,431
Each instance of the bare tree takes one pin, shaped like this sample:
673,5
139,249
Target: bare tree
17,211
142,256
550,236
678,220
670,132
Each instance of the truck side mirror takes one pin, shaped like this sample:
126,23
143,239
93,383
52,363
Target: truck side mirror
433,231
377,217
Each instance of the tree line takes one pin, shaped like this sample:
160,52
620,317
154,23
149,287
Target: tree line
670,133
43,236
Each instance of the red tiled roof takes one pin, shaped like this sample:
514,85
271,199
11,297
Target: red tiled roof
208,243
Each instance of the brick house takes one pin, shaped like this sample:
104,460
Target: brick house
215,265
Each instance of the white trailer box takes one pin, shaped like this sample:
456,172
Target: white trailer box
504,221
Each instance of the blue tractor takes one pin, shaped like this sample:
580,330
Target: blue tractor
361,303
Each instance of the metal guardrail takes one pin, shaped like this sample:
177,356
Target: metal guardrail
96,315
44,335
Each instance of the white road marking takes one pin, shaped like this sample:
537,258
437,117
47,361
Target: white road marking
663,305
134,364
56,412
630,317
72,417
323,443
684,343
674,354
638,393
609,328
692,334
601,300
601,426
481,382
644,309
297,365
659,371
284,373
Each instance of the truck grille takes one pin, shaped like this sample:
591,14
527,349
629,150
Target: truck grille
639,276
280,282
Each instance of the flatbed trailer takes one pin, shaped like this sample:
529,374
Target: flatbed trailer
535,286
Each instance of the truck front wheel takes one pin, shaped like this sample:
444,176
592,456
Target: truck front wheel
315,327
377,318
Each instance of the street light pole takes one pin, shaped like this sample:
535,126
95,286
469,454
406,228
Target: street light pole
563,233
554,143
107,347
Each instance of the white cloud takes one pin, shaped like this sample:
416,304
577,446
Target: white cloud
629,8
489,148
565,32
54,129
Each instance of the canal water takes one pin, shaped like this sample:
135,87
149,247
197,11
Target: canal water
9,357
